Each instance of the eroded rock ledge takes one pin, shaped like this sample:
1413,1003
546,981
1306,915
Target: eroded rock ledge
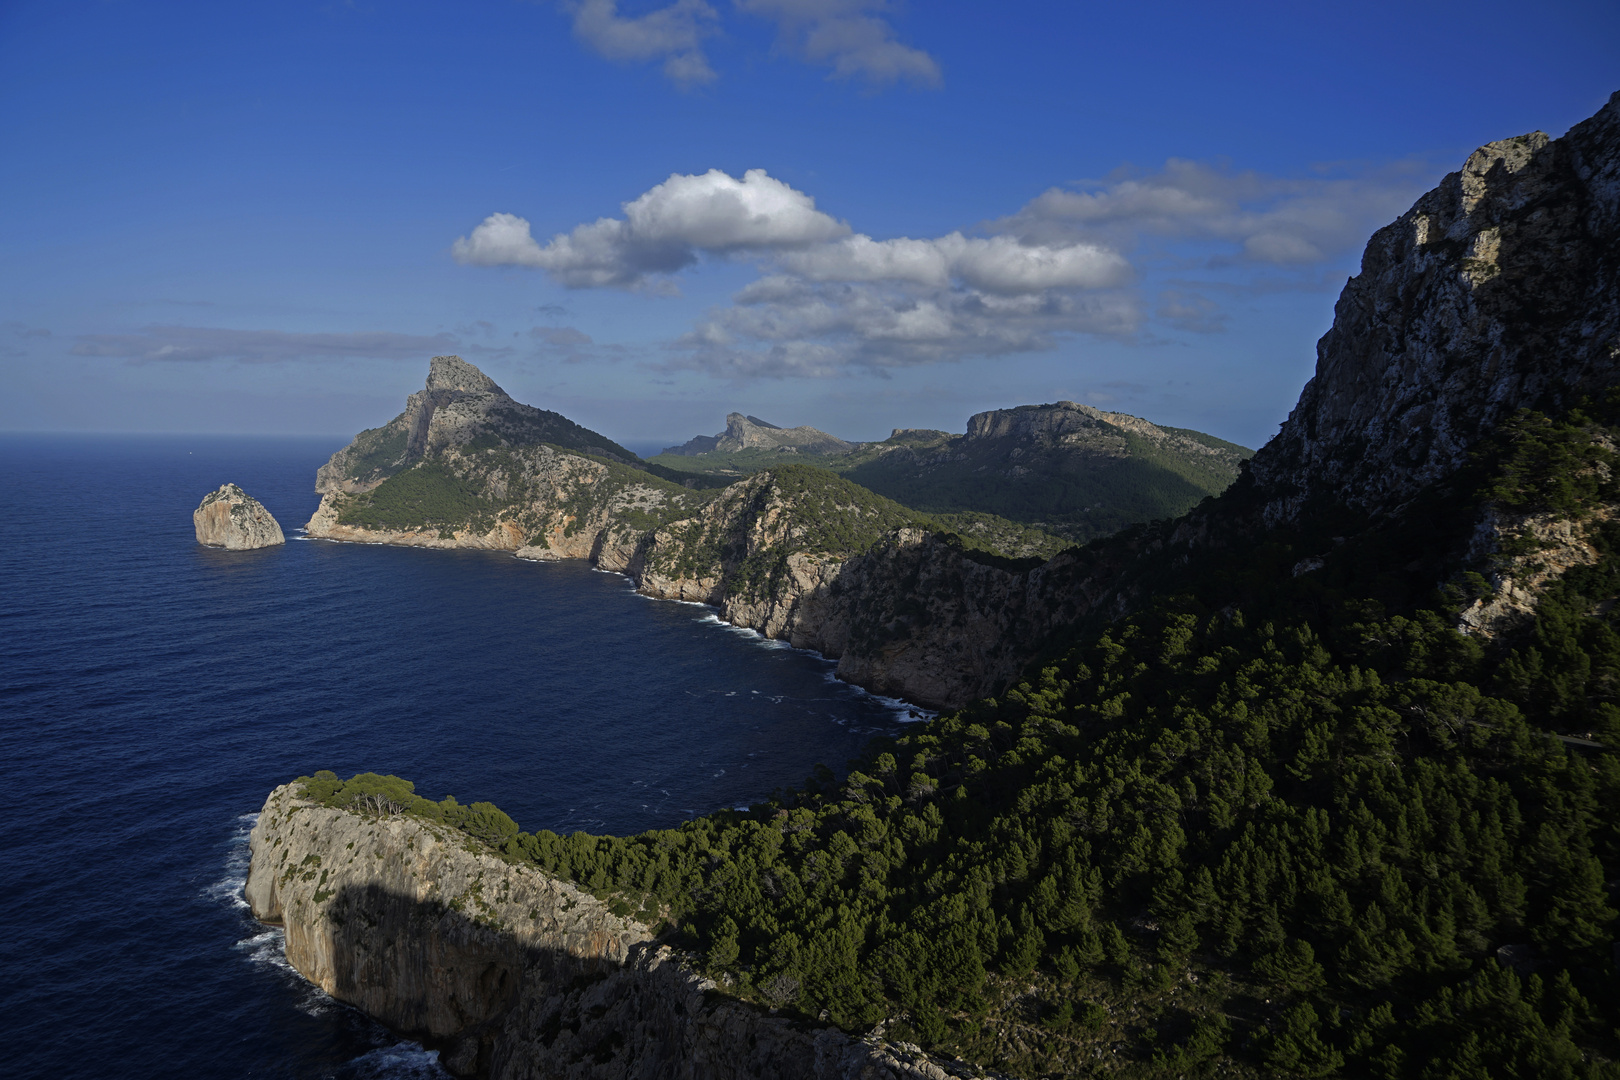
515,974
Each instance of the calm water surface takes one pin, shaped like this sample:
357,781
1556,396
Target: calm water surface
152,692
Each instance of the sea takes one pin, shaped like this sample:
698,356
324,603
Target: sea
153,692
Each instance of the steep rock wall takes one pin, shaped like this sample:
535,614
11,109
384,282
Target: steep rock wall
517,975
1498,289
234,520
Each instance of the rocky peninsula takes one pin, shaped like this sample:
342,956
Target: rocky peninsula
514,973
232,519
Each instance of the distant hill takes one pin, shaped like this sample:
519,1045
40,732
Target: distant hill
1064,467
752,433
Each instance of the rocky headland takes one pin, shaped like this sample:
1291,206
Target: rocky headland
232,519
512,972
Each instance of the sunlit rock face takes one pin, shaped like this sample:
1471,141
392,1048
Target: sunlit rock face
232,519
1499,289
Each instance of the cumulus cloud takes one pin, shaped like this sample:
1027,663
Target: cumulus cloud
848,36
674,33
828,298
202,343
1256,218
662,231
1071,261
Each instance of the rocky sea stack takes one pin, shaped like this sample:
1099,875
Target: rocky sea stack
234,520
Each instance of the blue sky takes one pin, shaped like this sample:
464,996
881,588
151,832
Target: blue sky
265,216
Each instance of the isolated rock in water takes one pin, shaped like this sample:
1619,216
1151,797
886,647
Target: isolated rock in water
234,520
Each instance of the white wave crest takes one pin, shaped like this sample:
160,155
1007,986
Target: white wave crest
402,1061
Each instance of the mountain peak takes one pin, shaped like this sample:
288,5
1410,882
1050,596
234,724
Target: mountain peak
454,373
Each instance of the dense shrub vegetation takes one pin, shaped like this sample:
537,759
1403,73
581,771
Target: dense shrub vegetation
1293,823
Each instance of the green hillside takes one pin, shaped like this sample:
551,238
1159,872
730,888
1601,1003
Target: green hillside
1079,488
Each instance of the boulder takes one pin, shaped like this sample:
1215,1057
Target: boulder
234,520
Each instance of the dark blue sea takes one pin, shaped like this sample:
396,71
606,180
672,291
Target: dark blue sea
153,691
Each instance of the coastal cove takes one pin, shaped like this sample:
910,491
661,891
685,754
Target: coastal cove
154,690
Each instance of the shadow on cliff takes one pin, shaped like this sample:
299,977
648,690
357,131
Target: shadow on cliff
496,1005
446,976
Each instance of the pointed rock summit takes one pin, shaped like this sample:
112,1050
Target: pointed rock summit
457,405
232,519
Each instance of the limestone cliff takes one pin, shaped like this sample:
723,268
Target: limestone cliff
234,520
516,974
1499,289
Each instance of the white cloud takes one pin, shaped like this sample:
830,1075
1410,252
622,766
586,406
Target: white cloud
783,326
847,36
674,33
203,343
1262,219
662,231
999,264
829,299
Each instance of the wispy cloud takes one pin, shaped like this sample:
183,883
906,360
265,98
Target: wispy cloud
853,38
1248,216
673,34
849,36
202,343
14,336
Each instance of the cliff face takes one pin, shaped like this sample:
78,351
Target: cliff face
234,520
1499,289
537,501
514,973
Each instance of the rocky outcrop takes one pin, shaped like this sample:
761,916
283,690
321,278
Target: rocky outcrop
1499,289
513,973
752,433
915,614
538,502
1555,545
234,520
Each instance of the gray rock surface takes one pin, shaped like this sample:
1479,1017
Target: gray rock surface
234,520
515,974
1499,289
